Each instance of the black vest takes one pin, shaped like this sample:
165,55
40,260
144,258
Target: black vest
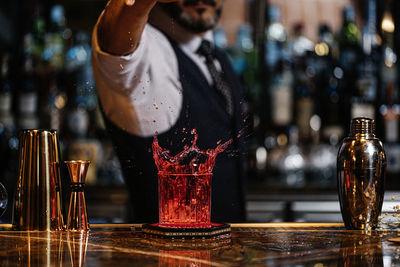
202,109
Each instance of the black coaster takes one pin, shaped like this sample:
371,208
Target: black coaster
224,241
216,230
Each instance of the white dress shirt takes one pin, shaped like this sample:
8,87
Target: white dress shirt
141,92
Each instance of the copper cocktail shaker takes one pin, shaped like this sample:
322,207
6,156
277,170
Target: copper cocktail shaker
37,202
361,170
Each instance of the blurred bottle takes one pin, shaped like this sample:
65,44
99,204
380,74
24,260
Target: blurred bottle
6,94
276,38
52,98
220,39
8,132
293,164
280,117
304,71
324,48
53,106
390,112
348,40
388,72
364,100
31,71
81,136
34,38
109,168
276,150
300,45
329,86
28,97
323,76
277,101
390,108
370,38
55,39
244,57
349,44
281,97
304,102
79,70
332,103
321,158
79,145
389,98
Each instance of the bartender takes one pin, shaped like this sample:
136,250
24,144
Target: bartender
158,73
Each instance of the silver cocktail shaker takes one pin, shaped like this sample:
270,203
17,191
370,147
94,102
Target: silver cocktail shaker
361,170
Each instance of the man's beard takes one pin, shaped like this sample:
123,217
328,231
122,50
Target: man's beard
196,25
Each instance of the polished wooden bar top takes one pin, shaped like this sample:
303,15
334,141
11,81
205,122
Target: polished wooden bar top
270,244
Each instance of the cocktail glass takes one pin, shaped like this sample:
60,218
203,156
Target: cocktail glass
184,189
184,200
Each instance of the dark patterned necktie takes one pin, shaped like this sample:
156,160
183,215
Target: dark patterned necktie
220,84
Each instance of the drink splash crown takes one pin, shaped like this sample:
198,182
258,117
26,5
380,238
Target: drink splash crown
191,160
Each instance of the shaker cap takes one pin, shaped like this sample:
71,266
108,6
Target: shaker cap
362,126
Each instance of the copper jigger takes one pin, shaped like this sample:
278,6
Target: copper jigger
37,202
77,216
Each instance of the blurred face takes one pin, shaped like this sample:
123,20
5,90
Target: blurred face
195,15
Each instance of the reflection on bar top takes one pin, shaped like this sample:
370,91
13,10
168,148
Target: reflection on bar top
233,225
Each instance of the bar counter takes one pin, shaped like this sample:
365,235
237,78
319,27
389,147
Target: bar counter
270,244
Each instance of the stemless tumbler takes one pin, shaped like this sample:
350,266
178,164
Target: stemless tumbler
184,199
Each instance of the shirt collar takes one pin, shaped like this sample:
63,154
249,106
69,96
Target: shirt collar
193,44
187,40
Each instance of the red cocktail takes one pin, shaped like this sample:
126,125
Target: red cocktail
184,185
184,199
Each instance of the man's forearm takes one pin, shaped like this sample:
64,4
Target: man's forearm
121,25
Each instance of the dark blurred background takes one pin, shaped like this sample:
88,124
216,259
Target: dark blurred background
307,66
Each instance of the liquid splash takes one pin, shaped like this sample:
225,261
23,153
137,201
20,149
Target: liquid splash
191,160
